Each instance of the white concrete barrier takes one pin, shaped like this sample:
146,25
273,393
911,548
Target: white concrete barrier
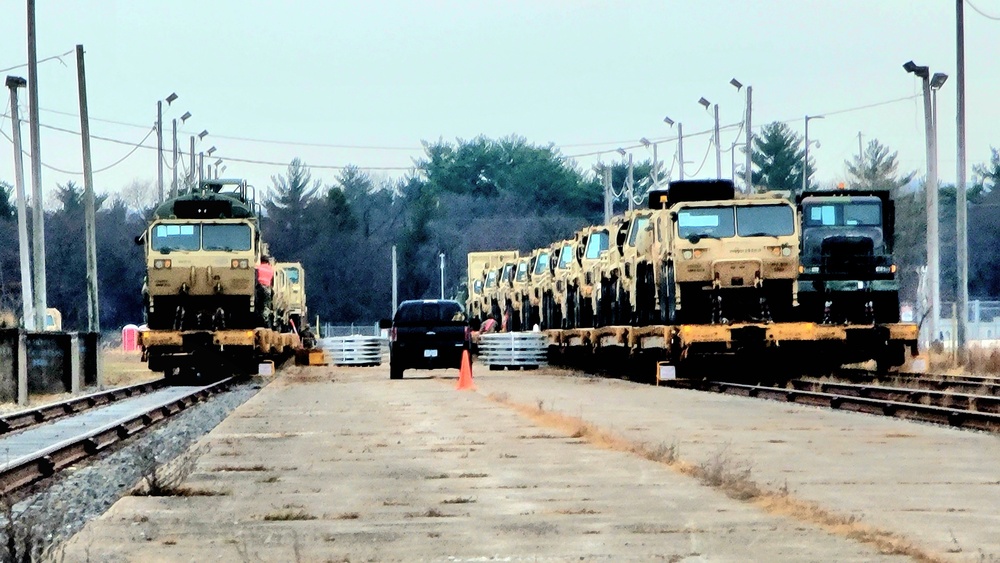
527,350
353,350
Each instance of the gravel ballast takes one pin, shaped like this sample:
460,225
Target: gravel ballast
61,506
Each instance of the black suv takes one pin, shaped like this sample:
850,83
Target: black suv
427,334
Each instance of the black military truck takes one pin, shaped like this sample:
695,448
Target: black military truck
847,274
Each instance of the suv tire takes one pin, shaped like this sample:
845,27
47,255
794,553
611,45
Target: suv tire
395,371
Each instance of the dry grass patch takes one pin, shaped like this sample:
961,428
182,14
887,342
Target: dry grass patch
348,516
473,475
459,500
576,511
429,513
728,474
223,468
288,514
438,476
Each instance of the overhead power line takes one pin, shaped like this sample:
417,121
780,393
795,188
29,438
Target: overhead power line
53,57
982,13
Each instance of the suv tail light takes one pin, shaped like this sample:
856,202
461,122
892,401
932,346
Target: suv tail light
468,334
392,334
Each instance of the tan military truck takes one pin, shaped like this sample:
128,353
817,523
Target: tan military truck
481,289
590,243
521,287
561,261
719,259
539,284
504,295
290,296
617,269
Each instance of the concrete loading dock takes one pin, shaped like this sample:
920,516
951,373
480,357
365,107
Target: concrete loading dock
341,463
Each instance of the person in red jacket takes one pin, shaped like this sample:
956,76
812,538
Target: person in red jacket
265,279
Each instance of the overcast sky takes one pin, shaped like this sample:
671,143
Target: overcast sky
364,83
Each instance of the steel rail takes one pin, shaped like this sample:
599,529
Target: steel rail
21,420
46,461
941,382
966,401
911,411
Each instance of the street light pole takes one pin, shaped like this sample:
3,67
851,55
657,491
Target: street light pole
718,149
27,295
931,191
805,154
680,145
961,211
442,274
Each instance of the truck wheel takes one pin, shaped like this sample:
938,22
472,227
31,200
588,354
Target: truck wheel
395,371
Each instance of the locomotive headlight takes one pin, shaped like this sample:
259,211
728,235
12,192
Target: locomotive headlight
161,264
687,254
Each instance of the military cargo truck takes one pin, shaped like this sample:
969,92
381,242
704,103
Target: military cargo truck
481,288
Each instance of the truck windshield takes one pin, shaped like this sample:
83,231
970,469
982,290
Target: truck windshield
638,226
713,222
522,271
566,256
596,244
765,220
837,214
491,278
477,286
184,236
293,274
434,312
542,263
226,237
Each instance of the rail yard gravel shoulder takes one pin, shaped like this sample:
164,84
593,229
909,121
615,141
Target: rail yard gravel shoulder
341,464
56,509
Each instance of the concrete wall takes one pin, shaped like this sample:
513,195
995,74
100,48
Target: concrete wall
55,362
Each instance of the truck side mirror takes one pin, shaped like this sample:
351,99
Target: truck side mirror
384,324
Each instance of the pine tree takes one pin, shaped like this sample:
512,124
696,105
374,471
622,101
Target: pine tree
777,157
875,169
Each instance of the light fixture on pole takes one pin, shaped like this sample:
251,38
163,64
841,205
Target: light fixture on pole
748,127
654,174
805,153
159,143
217,163
931,189
210,150
629,182
203,133
680,144
718,148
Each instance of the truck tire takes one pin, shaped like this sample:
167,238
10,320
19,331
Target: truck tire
395,371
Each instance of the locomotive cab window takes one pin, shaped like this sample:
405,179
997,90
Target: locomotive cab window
765,221
714,222
167,238
228,238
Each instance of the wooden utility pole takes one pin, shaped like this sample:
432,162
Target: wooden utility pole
37,211
27,299
93,310
961,219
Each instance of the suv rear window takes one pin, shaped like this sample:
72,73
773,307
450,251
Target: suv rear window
434,312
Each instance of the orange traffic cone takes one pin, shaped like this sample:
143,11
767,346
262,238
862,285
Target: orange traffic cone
465,374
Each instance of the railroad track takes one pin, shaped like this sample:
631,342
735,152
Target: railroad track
978,384
40,449
22,420
981,412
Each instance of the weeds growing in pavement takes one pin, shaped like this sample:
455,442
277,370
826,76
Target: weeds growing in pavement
164,480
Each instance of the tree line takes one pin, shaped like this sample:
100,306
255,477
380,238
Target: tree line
462,196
